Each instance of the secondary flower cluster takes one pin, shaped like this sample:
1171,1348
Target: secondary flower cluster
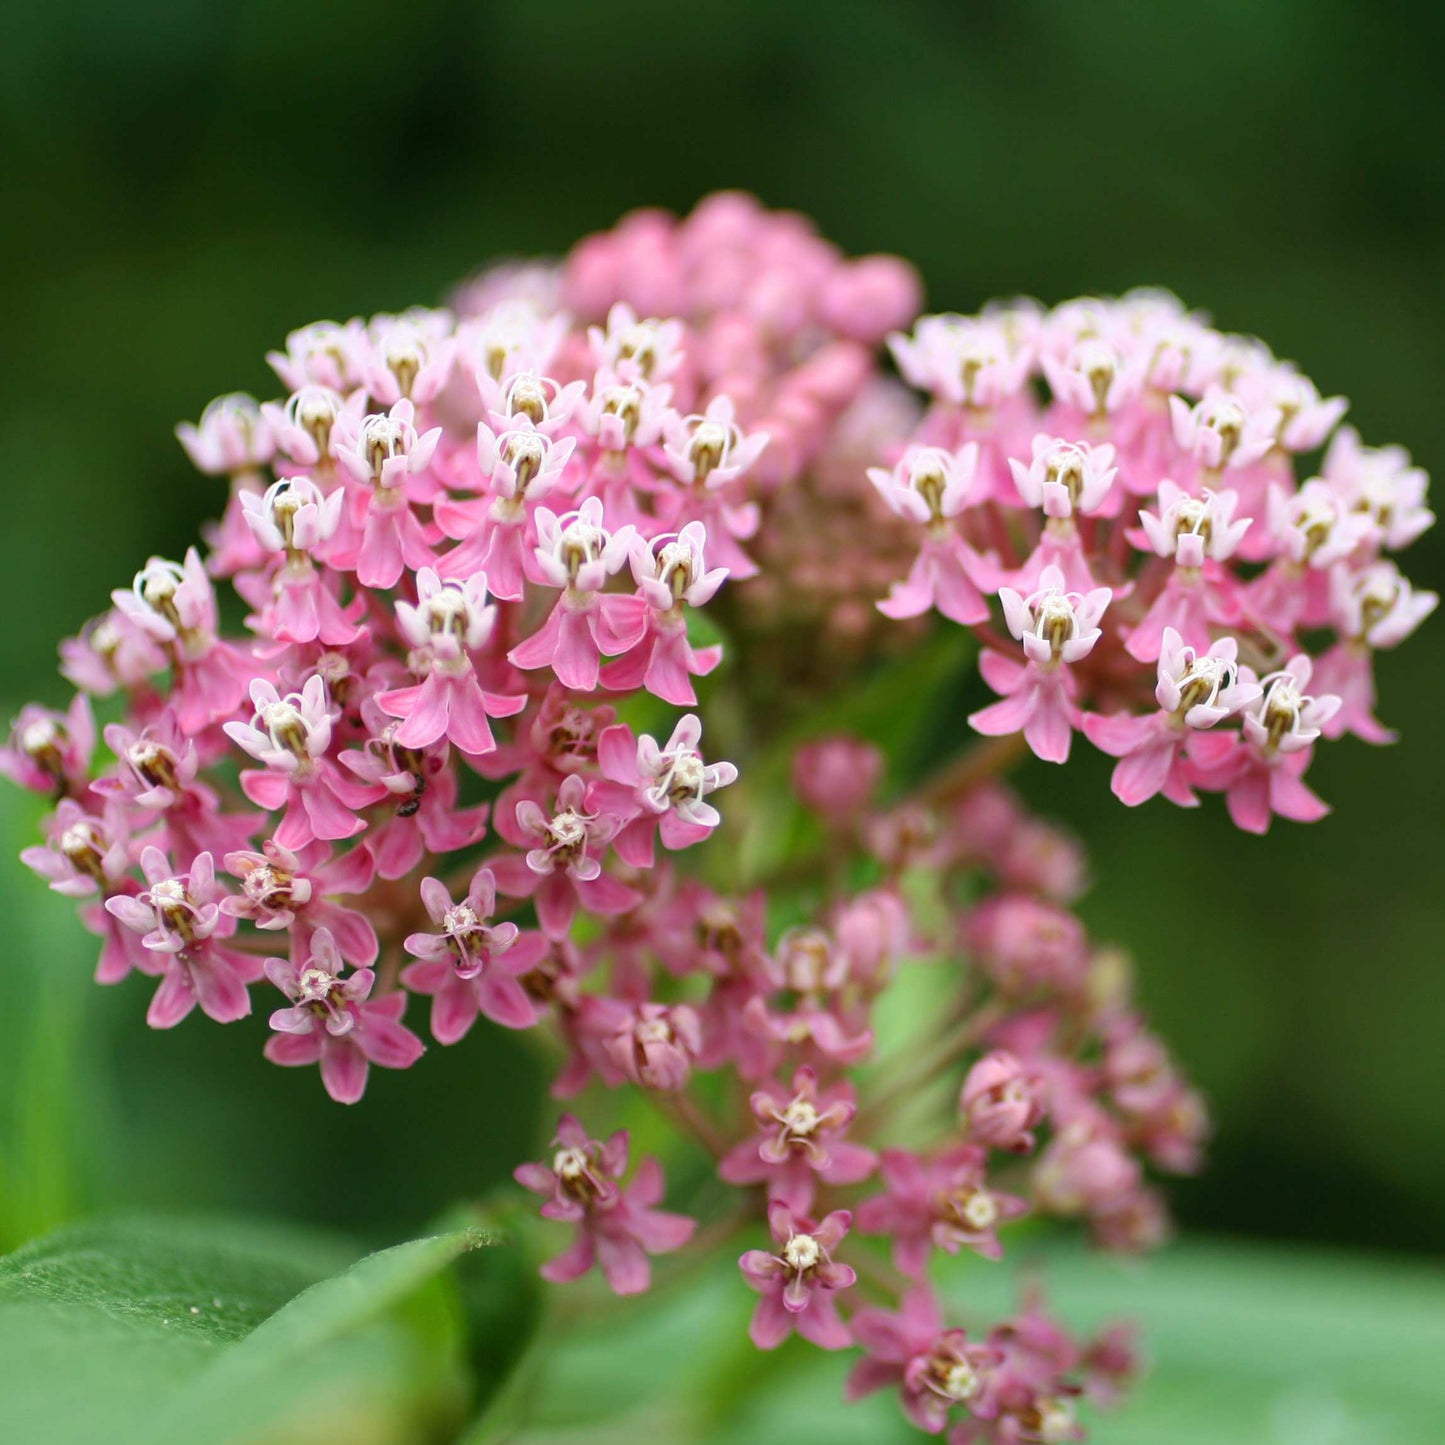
1125,480
454,752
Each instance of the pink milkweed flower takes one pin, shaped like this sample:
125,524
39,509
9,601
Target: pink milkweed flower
156,770
176,606
710,449
471,965
297,603
449,622
408,356
655,1045
423,789
1195,690
670,571
616,1228
528,396
809,975
335,1022
798,1281
385,457
941,1201
1064,478
1371,608
931,487
835,777
1200,534
1093,377
626,414
1025,944
1221,431
85,855
578,554
294,891
182,927
49,752
631,348
1056,627
972,361
799,1141
562,870
1380,483
291,737
306,422
110,653
1261,773
521,464
933,1368
1085,1169
1305,417
1313,526
664,788
325,352
232,436
1001,1103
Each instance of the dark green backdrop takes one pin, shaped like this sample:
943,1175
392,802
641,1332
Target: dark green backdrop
186,180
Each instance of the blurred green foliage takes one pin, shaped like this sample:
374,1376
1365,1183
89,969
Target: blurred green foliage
187,181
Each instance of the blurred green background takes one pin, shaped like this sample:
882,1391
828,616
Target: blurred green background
185,182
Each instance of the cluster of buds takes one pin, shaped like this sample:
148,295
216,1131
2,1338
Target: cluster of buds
474,543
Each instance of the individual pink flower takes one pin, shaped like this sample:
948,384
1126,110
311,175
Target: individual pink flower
471,965
1025,944
931,487
799,1141
971,361
797,1281
811,1007
562,870
291,736
176,606
296,891
335,1022
297,602
49,752
1194,691
1056,628
616,1228
1000,1103
671,572
157,771
710,449
835,777
232,436
934,1369
87,856
663,789
655,1044
1260,772
183,929
1063,478
941,1201
449,623
522,464
384,457
111,653
578,554
1221,431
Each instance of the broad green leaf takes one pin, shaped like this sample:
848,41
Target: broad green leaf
164,1332
1247,1343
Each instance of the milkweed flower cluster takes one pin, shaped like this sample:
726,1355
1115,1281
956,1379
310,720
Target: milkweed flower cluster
457,749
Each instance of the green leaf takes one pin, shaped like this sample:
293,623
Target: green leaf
165,1332
1271,1346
